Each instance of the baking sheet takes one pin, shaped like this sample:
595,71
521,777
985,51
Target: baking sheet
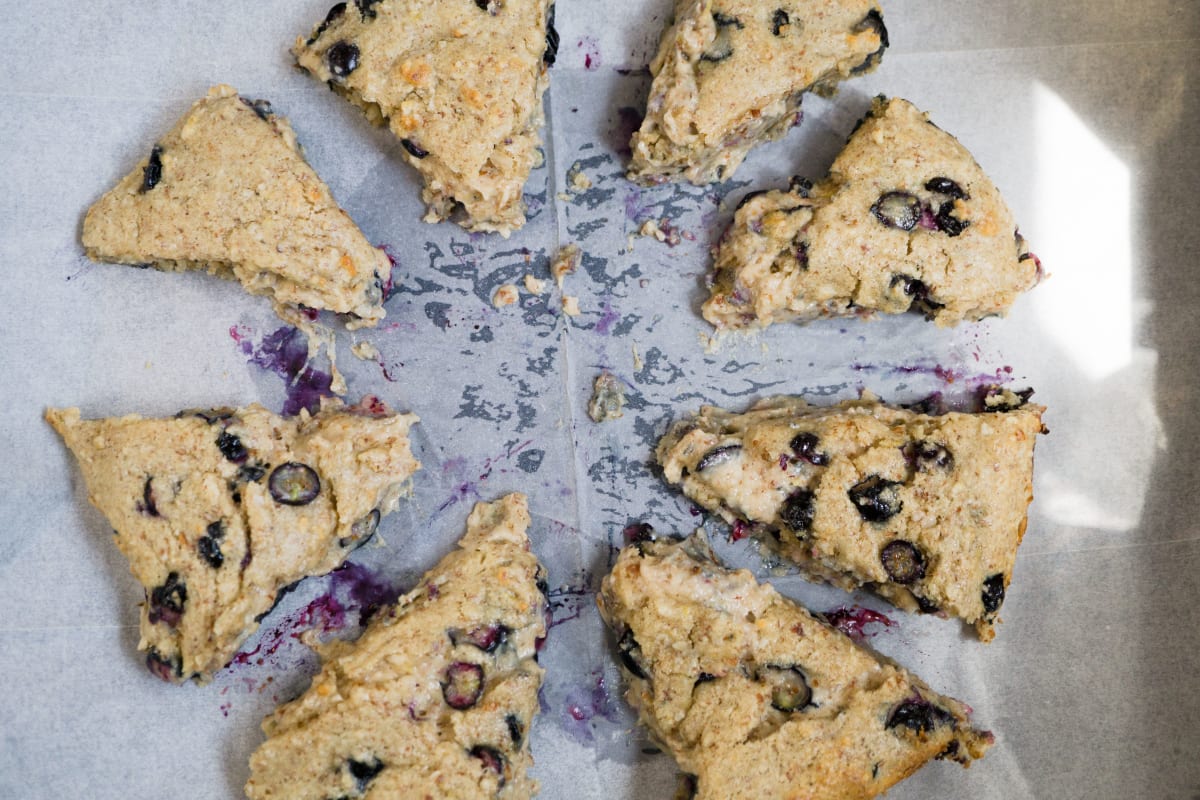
1084,113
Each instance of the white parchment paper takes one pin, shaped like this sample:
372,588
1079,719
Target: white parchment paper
1085,114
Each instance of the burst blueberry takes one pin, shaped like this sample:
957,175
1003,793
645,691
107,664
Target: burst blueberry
798,511
294,484
414,150
941,185
486,637
462,685
804,446
152,172
364,772
231,447
876,498
343,59
209,545
789,688
167,601
903,561
993,593
493,761
897,210
717,456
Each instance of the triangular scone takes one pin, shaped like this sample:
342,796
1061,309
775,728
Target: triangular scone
459,83
927,511
436,699
730,74
228,190
756,697
219,510
906,220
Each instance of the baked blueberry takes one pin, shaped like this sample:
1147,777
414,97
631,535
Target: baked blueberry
147,506
798,511
876,498
366,8
897,210
947,187
231,447
918,716
462,685
722,44
927,455
903,561
362,530
343,59
717,456
872,22
364,772
789,688
551,51
209,545
779,21
486,637
516,729
294,484
493,760
152,172
415,150
168,600
948,223
631,654
993,593
804,445
334,14
169,669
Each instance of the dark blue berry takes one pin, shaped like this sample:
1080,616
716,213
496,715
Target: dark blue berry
413,149
789,688
722,45
903,562
493,760
486,637
638,533
948,223
798,511
918,716
251,473
209,545
231,447
872,21
993,593
929,455
876,498
718,455
779,21
551,52
147,505
152,172
165,668
294,484
462,685
168,600
260,107
366,8
516,729
334,14
897,210
362,530
364,772
630,653
947,187
800,185
343,59
804,445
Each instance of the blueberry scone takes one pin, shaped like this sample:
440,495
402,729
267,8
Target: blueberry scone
927,511
730,74
228,191
756,697
906,220
459,83
436,699
219,510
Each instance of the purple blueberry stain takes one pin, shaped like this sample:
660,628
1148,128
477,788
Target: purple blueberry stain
854,621
584,704
284,352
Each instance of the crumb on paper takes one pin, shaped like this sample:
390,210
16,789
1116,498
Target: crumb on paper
566,198
565,261
365,351
506,295
638,364
579,182
570,305
534,285
661,230
608,398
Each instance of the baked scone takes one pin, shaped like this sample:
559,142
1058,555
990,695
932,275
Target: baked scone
927,511
729,74
218,510
906,220
756,697
228,191
460,84
436,699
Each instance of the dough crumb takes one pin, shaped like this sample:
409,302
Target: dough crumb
365,351
608,398
566,261
578,181
506,295
534,285
570,305
662,230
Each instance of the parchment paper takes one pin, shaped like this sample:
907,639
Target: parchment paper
1084,113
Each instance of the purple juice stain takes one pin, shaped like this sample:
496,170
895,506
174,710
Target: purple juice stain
607,318
583,704
366,592
390,284
591,54
853,621
629,120
285,353
635,211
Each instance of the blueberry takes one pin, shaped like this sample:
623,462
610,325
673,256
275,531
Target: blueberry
789,688
631,654
872,21
804,445
903,562
925,606
147,505
800,185
251,473
413,148
542,581
551,51
798,511
163,667
917,715
493,760
231,447
948,223
490,6
168,600
260,107
929,455
897,210
294,484
343,59
993,593
717,456
516,729
779,21
486,637
746,198
210,545
638,533
876,498
947,187
366,8
722,45
362,530
152,172
462,685
802,254
364,772
334,14
913,287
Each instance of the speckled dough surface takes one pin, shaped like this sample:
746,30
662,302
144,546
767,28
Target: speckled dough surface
729,74
756,697
927,511
218,510
460,83
436,699
228,190
906,220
